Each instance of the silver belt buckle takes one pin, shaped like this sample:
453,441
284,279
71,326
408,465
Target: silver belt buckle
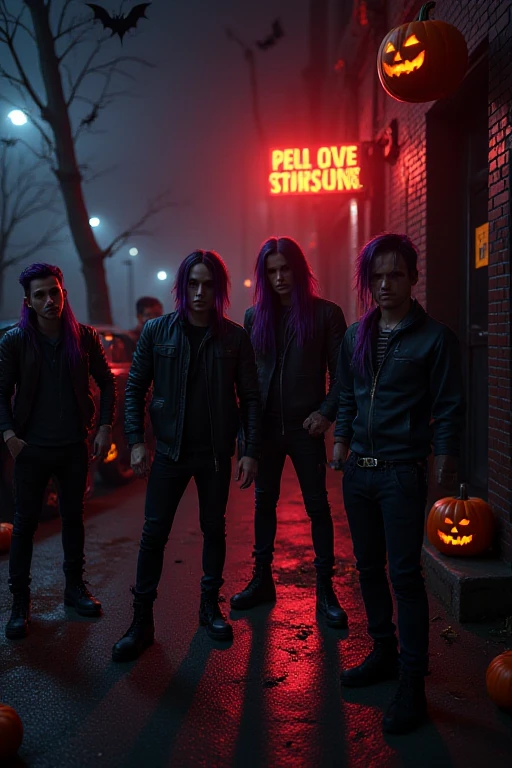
365,461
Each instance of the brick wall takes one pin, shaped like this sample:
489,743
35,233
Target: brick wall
406,203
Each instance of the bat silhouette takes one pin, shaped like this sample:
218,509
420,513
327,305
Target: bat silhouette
119,24
276,34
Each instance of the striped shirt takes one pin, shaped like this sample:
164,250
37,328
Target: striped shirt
382,344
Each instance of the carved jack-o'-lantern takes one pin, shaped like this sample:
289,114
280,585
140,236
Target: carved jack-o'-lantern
422,61
461,526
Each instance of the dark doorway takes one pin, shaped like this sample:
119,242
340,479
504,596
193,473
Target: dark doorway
457,275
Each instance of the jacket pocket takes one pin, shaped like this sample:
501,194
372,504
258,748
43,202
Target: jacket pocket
165,350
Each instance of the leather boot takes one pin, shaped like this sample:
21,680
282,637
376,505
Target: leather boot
211,617
17,626
77,596
381,664
140,634
408,709
260,590
327,603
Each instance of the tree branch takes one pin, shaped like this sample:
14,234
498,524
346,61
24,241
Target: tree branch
159,204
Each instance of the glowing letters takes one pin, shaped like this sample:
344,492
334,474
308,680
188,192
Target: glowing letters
304,171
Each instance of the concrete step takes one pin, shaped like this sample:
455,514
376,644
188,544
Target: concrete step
472,589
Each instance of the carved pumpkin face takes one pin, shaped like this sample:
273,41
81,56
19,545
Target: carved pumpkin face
423,60
461,526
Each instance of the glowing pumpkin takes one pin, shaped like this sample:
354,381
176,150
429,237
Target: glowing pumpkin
423,60
461,526
11,733
5,537
498,680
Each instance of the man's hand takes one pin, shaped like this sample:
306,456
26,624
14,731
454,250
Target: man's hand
139,460
316,424
339,456
246,471
446,477
15,446
102,442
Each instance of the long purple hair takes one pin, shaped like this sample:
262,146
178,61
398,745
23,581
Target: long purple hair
69,324
305,290
221,285
388,242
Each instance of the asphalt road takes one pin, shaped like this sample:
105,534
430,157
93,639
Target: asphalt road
270,699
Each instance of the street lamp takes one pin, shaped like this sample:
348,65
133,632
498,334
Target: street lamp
133,252
94,221
17,117
162,275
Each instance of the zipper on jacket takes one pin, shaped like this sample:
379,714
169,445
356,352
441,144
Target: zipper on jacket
372,393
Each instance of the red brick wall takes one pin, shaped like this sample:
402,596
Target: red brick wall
405,209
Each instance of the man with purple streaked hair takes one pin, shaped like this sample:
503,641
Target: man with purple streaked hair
296,336
203,372
401,390
46,363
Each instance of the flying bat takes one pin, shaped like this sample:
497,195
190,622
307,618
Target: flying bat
119,24
276,34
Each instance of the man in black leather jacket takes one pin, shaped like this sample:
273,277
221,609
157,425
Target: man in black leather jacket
400,390
297,337
46,362
199,363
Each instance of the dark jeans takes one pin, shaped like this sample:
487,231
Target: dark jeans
167,483
33,468
386,513
309,459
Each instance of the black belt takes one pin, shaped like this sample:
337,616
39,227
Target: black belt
368,462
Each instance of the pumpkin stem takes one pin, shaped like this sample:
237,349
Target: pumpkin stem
425,11
463,492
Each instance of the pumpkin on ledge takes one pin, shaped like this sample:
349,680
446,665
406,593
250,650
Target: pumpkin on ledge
461,526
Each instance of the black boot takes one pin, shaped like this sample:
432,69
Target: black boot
140,635
78,597
261,589
327,603
17,626
408,709
211,617
380,665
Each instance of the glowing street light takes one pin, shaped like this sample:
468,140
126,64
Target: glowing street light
133,251
247,283
162,275
94,221
17,117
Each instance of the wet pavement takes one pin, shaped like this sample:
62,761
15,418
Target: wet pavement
270,699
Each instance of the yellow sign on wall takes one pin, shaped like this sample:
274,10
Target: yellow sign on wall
482,246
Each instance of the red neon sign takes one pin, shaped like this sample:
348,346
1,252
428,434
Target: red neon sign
299,171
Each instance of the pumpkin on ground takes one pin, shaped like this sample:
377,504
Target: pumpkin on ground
461,526
498,679
423,60
11,733
5,537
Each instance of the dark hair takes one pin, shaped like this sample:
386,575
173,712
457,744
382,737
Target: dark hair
305,290
28,319
221,284
145,302
388,242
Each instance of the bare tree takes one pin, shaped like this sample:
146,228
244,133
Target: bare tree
24,197
60,36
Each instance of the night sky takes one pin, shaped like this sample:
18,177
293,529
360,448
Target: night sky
188,128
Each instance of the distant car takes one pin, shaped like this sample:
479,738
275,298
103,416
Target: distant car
115,469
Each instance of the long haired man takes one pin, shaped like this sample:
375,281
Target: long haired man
401,390
203,372
47,361
296,336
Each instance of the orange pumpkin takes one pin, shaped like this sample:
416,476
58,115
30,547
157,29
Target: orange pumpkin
423,60
461,526
5,537
11,733
498,680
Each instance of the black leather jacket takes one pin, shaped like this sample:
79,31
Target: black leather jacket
20,362
303,380
162,357
415,398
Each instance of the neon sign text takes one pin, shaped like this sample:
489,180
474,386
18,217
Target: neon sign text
297,171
